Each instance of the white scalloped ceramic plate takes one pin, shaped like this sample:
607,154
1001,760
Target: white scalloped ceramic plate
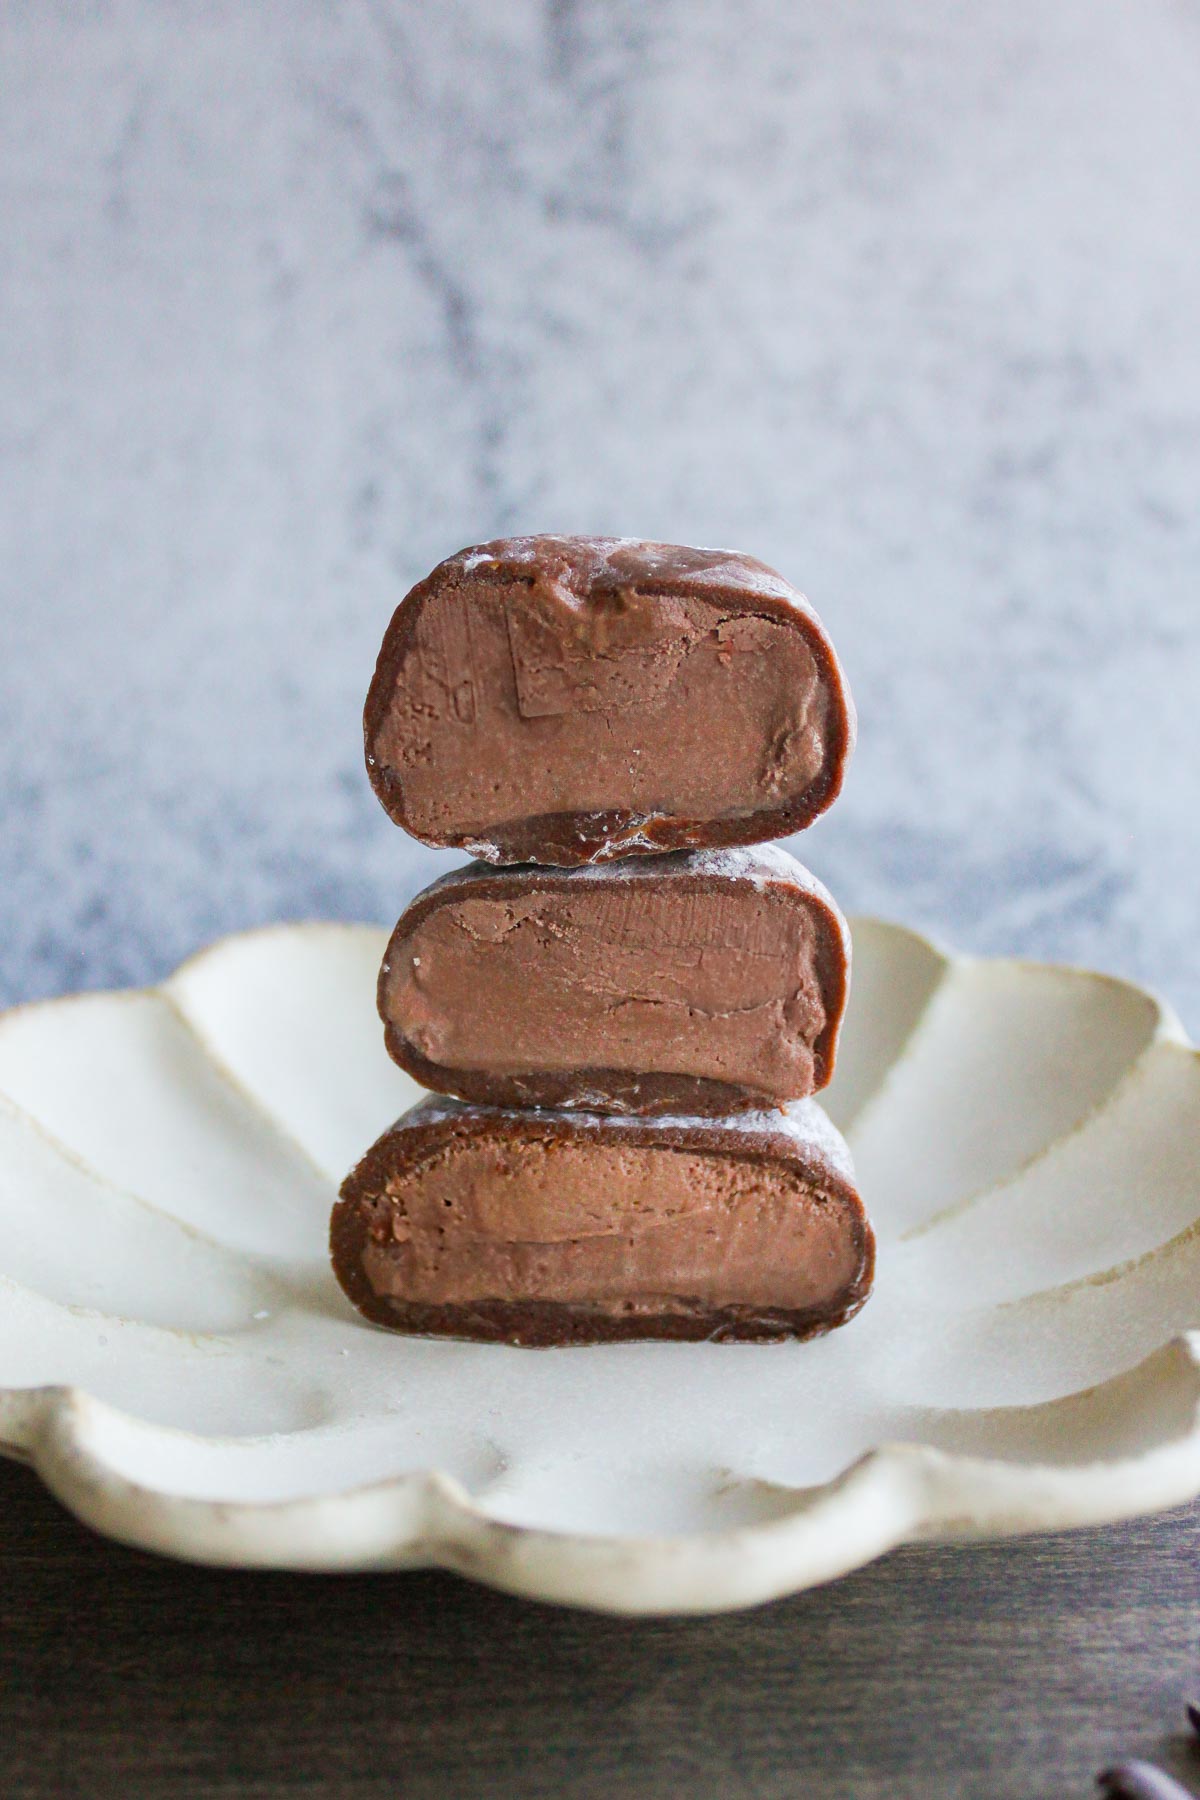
183,1372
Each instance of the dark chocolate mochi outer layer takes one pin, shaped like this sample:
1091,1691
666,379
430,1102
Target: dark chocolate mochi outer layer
708,981
564,700
555,1228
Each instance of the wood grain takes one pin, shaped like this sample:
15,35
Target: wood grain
1015,1670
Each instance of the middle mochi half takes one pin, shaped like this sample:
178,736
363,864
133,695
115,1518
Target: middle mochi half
703,982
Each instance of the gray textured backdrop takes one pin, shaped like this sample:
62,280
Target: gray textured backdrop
296,298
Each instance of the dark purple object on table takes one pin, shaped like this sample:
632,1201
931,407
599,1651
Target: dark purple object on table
1140,1781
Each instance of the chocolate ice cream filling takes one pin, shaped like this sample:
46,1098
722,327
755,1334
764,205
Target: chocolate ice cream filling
626,1229
675,705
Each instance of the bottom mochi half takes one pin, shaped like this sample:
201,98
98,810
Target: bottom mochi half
552,1228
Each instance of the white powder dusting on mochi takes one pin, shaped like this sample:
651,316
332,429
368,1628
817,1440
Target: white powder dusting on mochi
758,864
728,568
803,1121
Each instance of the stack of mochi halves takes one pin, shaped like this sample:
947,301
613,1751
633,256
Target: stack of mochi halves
625,1005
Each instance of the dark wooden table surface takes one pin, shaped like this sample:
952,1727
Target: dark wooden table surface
1001,1673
